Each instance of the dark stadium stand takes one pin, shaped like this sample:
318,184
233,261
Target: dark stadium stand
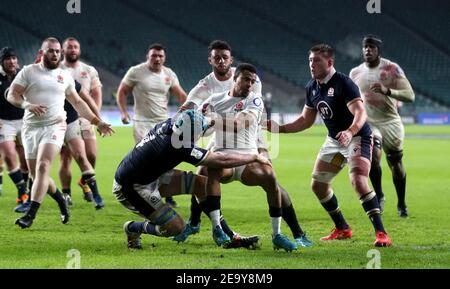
115,34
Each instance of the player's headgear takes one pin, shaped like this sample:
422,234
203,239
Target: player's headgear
190,123
6,52
374,40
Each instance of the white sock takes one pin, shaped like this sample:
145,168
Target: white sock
215,218
276,224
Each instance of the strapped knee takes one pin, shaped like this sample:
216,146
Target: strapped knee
187,182
323,177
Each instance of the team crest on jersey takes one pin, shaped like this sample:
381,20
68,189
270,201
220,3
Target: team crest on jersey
60,79
167,80
331,91
238,106
84,74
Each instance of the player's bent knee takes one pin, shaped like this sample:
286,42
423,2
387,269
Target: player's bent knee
169,222
394,157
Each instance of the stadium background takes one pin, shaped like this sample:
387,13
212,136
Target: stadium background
275,36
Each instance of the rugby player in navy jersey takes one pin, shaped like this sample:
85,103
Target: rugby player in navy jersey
336,98
11,126
147,173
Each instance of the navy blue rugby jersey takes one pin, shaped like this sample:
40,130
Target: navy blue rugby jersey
7,110
330,100
154,155
72,114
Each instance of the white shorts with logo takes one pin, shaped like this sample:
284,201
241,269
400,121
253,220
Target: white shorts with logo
87,129
73,131
10,130
391,133
33,137
332,152
141,128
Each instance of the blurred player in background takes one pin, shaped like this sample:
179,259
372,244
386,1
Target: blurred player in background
11,127
151,84
87,76
336,98
382,84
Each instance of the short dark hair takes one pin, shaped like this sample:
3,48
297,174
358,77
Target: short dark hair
70,39
218,44
49,40
156,46
374,40
324,49
244,66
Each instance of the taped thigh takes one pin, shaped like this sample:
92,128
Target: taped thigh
324,177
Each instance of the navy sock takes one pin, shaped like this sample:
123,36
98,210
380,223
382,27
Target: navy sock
67,191
196,212
332,208
289,216
375,179
89,179
372,207
225,227
400,187
34,207
17,179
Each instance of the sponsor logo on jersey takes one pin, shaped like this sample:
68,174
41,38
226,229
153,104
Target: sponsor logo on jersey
60,79
331,91
196,153
257,101
324,110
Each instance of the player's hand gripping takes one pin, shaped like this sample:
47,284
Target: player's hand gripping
273,126
379,88
344,137
263,160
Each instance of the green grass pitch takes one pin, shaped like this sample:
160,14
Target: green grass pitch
421,241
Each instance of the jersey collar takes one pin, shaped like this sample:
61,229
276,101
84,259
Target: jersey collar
328,77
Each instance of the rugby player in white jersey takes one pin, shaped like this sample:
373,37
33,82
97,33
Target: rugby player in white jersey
237,114
382,84
221,80
88,77
41,89
151,83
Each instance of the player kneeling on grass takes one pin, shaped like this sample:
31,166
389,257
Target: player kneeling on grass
147,173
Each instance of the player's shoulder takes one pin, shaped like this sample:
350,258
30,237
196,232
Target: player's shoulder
357,69
391,66
87,67
168,70
218,96
310,84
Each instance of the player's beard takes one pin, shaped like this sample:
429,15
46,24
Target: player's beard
223,72
50,64
71,58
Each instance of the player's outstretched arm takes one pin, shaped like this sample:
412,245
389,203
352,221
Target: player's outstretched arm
304,121
83,109
228,160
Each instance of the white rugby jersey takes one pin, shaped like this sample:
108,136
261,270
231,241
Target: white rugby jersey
210,85
150,91
380,108
85,74
228,107
45,87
